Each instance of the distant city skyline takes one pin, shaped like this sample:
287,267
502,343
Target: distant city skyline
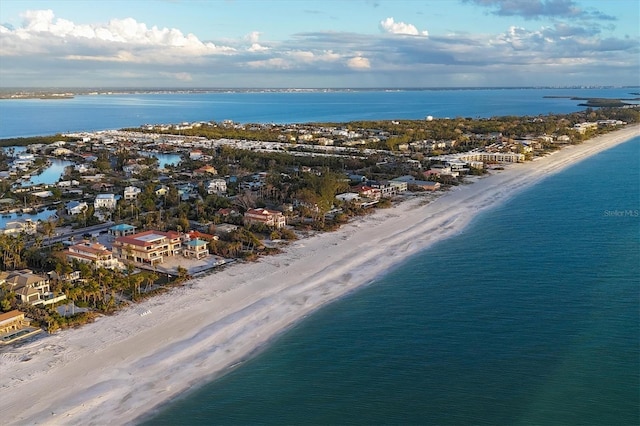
318,44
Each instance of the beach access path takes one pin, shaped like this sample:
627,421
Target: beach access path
123,366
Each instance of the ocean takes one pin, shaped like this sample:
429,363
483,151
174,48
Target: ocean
529,316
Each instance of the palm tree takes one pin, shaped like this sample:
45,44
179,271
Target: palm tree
48,228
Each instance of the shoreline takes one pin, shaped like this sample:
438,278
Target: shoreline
123,367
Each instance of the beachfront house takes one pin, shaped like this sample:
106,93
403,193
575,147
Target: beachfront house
94,254
31,288
196,249
265,216
149,247
13,321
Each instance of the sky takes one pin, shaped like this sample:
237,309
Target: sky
319,44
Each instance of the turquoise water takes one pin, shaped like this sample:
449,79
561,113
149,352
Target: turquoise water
530,316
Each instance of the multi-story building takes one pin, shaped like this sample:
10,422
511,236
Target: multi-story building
95,254
106,201
268,217
196,249
31,288
131,193
150,247
217,186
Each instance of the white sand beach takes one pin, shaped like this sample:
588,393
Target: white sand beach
121,367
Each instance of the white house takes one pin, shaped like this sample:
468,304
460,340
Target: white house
105,201
131,192
76,207
217,186
18,227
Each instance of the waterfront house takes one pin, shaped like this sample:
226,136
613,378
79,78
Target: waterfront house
18,227
368,192
13,321
265,216
150,247
94,254
76,207
348,197
14,326
196,249
31,288
425,185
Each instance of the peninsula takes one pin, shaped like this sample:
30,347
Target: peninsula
149,352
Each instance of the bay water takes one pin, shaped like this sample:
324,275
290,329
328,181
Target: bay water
529,316
35,117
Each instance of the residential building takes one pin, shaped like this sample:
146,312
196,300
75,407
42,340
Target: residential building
131,193
13,321
18,227
31,288
15,326
425,185
76,207
150,247
399,186
122,230
368,192
95,254
162,190
385,188
196,154
217,186
196,249
105,201
492,157
268,217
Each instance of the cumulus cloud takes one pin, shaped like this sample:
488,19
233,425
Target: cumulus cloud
535,9
45,33
253,38
390,26
358,63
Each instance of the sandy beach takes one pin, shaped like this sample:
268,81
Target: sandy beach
123,366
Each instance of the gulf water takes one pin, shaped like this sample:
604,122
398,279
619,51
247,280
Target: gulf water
529,316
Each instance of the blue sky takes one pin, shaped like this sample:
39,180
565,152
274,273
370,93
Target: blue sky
330,43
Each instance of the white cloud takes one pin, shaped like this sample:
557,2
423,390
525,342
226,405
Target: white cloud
358,63
45,33
390,26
